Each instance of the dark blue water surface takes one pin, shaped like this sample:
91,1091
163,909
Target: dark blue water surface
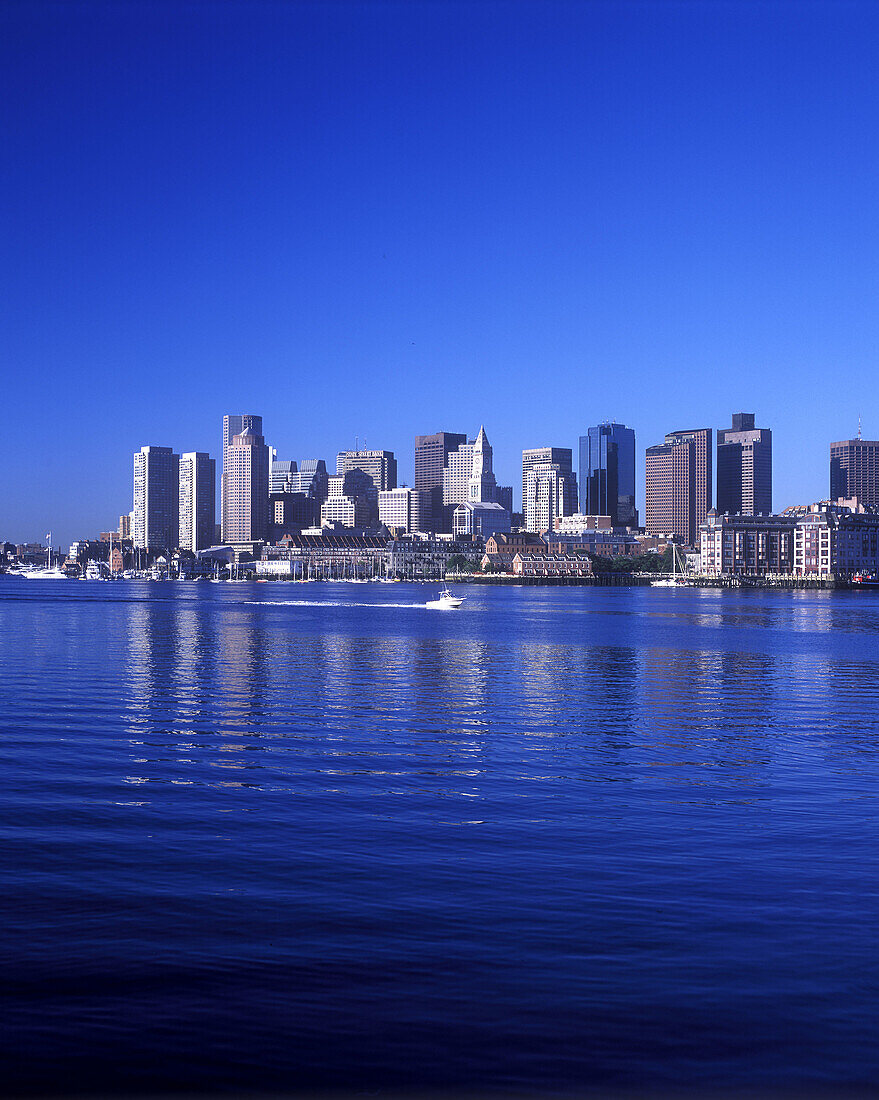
319,838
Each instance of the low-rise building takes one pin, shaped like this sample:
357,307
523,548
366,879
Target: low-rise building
746,545
551,565
480,520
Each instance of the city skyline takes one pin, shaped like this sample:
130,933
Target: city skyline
425,230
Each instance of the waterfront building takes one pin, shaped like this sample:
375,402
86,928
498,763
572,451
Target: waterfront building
284,476
854,470
156,499
607,473
197,500
245,487
744,468
480,519
233,425
431,458
379,466
678,484
551,565
405,509
752,545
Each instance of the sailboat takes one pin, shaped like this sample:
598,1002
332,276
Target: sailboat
47,574
676,579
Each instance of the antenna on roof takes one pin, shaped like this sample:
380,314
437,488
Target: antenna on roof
859,425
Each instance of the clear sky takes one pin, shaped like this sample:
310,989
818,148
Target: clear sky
377,220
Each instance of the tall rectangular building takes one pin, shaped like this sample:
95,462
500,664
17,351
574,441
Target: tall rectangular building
246,487
233,425
156,499
744,468
854,470
607,473
379,466
679,483
431,458
197,497
549,486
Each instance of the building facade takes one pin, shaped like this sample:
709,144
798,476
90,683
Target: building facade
854,470
246,488
744,468
678,485
747,545
197,500
156,514
548,493
405,510
480,519
607,473
379,466
234,424
284,476
431,458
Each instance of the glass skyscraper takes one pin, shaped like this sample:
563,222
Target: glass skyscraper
607,473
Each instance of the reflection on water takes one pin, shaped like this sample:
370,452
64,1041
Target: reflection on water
565,839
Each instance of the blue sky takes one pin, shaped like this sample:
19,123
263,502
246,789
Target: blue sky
377,220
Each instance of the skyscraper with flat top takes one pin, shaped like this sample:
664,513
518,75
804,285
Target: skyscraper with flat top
744,468
678,484
379,466
246,487
197,498
607,473
549,486
854,470
156,503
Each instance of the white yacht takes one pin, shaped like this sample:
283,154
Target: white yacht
445,602
677,578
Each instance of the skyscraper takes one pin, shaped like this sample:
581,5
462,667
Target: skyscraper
431,458
284,477
197,500
854,470
744,468
561,458
246,487
233,425
156,499
607,473
482,485
678,484
379,466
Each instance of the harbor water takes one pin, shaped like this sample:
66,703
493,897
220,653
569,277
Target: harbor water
318,838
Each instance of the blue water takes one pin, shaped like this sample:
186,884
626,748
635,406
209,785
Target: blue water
317,838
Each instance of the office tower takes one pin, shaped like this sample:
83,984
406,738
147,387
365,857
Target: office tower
404,509
562,459
246,487
233,425
469,469
548,491
313,479
379,466
125,526
156,504
607,473
289,512
744,468
431,458
854,470
284,477
197,497
678,484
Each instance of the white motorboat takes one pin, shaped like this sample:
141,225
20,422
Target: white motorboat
446,601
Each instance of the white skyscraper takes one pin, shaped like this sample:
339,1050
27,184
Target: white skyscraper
197,500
